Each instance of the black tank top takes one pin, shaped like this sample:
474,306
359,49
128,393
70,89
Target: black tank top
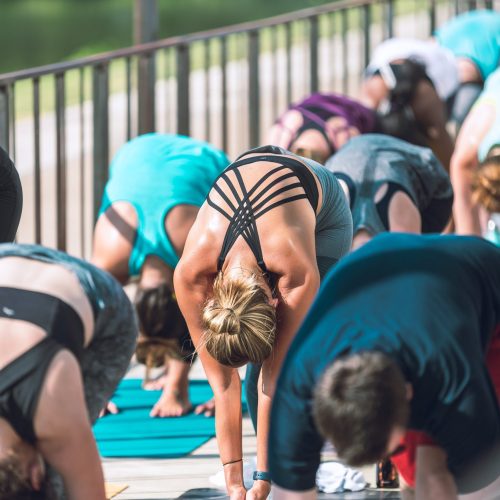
257,201
22,379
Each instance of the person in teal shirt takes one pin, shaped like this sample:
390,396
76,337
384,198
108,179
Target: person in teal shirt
157,184
475,164
474,39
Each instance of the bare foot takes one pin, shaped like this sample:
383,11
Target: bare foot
171,404
207,409
109,409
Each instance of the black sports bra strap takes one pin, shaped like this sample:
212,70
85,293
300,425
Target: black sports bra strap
243,221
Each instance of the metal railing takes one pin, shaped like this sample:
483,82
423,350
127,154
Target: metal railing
62,122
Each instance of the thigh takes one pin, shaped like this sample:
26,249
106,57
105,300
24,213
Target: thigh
106,359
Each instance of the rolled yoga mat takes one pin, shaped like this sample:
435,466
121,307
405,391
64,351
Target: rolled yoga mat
133,433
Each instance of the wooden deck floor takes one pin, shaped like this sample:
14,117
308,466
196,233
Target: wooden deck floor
188,477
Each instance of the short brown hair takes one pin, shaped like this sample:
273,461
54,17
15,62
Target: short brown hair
15,485
486,184
239,322
358,402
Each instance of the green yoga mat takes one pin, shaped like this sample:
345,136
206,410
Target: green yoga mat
133,433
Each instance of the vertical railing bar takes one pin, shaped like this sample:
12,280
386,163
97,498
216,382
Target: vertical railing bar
253,88
224,118
313,54
36,173
183,69
390,18
128,79
367,34
345,69
332,33
488,4
12,116
60,161
100,160
4,117
288,50
432,16
457,7
207,89
82,159
274,50
146,92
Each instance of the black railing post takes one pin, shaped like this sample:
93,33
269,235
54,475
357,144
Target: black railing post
60,161
100,91
183,70
37,173
288,50
345,64
145,30
4,117
390,18
223,62
313,48
488,4
432,16
366,30
253,88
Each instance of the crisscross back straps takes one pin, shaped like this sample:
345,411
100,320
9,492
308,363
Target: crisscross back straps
257,201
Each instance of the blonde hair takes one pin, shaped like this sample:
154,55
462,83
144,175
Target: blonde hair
486,184
239,322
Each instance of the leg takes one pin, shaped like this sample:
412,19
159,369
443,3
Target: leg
463,100
251,392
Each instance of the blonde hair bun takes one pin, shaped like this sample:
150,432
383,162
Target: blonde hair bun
239,323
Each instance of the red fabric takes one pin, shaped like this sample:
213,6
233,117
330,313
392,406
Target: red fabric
405,462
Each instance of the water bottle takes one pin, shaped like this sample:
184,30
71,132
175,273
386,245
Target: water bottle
387,474
492,232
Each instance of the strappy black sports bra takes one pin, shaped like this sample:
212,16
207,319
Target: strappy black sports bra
255,203
22,379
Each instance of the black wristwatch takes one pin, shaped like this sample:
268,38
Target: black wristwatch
261,476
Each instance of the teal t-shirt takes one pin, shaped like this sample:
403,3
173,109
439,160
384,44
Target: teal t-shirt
476,36
154,173
490,96
429,302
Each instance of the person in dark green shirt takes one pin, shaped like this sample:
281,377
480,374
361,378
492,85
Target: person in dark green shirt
396,339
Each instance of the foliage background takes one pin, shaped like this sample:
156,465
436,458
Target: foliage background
36,32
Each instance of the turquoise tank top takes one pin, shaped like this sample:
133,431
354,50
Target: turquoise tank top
154,173
476,36
491,96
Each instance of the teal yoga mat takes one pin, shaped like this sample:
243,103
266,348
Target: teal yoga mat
133,433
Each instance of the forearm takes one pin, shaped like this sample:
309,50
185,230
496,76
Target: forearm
228,429
466,215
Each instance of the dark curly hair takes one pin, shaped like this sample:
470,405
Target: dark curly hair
15,485
161,324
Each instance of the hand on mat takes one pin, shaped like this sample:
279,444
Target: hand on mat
109,409
207,409
259,491
171,404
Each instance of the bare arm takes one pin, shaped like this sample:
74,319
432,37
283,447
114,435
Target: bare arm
434,480
63,428
190,288
463,164
297,296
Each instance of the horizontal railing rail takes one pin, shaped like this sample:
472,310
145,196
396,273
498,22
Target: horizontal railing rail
62,122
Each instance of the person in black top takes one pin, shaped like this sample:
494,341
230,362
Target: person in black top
397,338
67,332
11,198
273,224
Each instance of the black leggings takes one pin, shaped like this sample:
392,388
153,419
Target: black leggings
11,198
